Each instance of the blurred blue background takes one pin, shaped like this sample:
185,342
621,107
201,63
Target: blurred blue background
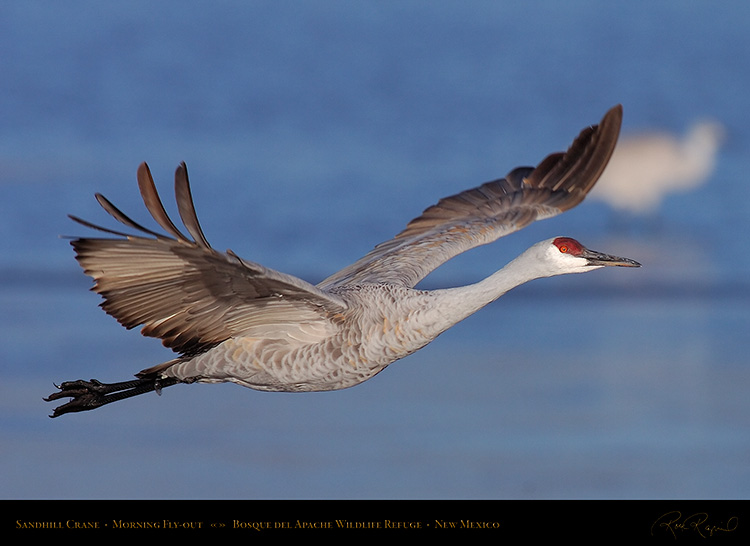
315,130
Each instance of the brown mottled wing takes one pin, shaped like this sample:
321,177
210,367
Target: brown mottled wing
481,215
188,294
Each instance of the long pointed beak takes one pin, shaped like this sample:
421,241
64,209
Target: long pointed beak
600,259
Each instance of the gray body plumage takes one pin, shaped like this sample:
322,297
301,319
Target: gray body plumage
380,324
232,320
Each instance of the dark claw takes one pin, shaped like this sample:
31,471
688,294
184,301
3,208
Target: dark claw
75,388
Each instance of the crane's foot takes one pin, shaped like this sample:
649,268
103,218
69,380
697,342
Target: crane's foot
88,395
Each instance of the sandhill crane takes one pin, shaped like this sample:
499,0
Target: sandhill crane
231,320
647,167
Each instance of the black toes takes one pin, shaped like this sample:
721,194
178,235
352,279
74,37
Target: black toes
86,395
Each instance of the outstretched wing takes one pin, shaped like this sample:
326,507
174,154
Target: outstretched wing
186,293
481,215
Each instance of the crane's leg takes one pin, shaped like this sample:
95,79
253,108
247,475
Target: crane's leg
88,395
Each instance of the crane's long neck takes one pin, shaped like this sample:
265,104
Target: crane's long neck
452,305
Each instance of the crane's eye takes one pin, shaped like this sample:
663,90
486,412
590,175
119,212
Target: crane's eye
563,249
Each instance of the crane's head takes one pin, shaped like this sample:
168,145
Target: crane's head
569,256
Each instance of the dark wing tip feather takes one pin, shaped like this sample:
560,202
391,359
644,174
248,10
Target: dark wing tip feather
153,202
186,207
118,215
578,169
91,225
